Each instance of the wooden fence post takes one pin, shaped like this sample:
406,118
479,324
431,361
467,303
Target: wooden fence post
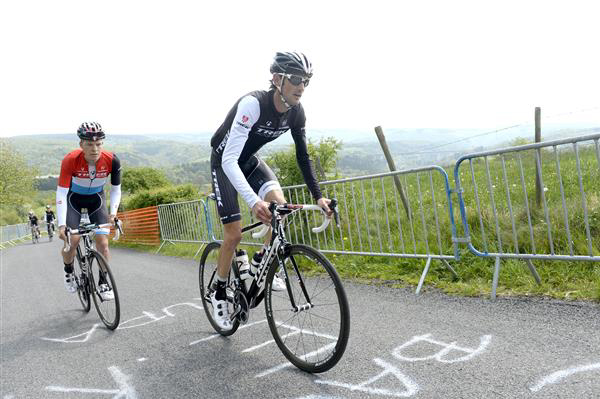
392,166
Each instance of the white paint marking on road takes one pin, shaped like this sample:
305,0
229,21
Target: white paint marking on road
213,336
168,313
288,364
318,397
304,331
75,339
447,348
410,387
146,315
142,359
562,374
145,319
52,388
283,337
125,391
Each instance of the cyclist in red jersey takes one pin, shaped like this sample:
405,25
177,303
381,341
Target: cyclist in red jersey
83,174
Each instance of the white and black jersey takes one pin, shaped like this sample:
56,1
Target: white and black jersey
250,124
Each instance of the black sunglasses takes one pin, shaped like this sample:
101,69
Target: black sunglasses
295,79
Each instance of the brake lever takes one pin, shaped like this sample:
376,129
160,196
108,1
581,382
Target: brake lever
333,205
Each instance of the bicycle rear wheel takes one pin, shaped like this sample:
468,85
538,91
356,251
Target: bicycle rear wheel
207,278
310,322
83,285
109,310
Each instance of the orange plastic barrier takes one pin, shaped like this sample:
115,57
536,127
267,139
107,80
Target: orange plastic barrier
140,226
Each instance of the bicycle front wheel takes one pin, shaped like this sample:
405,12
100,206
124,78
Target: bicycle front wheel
83,286
106,299
310,321
207,280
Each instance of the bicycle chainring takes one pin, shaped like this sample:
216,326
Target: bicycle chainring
241,309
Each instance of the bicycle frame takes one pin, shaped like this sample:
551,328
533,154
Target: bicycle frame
275,247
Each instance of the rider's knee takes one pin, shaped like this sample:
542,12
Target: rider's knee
101,243
232,237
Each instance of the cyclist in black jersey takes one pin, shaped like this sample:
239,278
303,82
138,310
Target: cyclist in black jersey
33,221
256,119
49,215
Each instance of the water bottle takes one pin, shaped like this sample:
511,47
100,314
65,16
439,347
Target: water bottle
255,263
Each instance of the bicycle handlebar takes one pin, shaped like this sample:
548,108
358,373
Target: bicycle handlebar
89,228
332,205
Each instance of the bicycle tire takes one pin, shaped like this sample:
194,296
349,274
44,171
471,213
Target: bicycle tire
83,286
206,276
108,310
320,331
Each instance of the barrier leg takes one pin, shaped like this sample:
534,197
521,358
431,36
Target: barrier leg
450,268
422,280
495,281
533,271
161,245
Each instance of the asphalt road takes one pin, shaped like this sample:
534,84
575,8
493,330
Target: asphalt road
401,345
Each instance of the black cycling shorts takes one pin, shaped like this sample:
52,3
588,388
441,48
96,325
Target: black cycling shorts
96,208
258,174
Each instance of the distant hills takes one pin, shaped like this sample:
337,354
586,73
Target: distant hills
185,157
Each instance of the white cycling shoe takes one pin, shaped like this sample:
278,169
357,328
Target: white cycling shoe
106,293
220,312
70,283
278,283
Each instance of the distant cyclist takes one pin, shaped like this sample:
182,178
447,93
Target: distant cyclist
83,174
50,218
34,223
256,119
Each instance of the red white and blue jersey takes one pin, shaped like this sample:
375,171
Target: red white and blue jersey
81,178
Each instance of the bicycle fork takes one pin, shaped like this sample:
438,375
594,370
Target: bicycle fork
295,308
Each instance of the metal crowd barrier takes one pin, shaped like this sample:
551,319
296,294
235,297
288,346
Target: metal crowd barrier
500,213
504,217
12,233
184,222
374,221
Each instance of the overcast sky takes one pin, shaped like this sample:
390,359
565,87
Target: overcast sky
178,66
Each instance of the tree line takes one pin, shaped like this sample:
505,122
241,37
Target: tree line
21,190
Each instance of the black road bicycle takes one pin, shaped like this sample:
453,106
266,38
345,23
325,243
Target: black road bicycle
35,234
92,270
50,226
310,320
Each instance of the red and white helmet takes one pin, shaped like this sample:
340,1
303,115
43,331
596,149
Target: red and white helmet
90,131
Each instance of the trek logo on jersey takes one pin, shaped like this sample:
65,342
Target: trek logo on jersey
217,190
271,133
243,125
223,143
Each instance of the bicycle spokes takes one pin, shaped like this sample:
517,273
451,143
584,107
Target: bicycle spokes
309,321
